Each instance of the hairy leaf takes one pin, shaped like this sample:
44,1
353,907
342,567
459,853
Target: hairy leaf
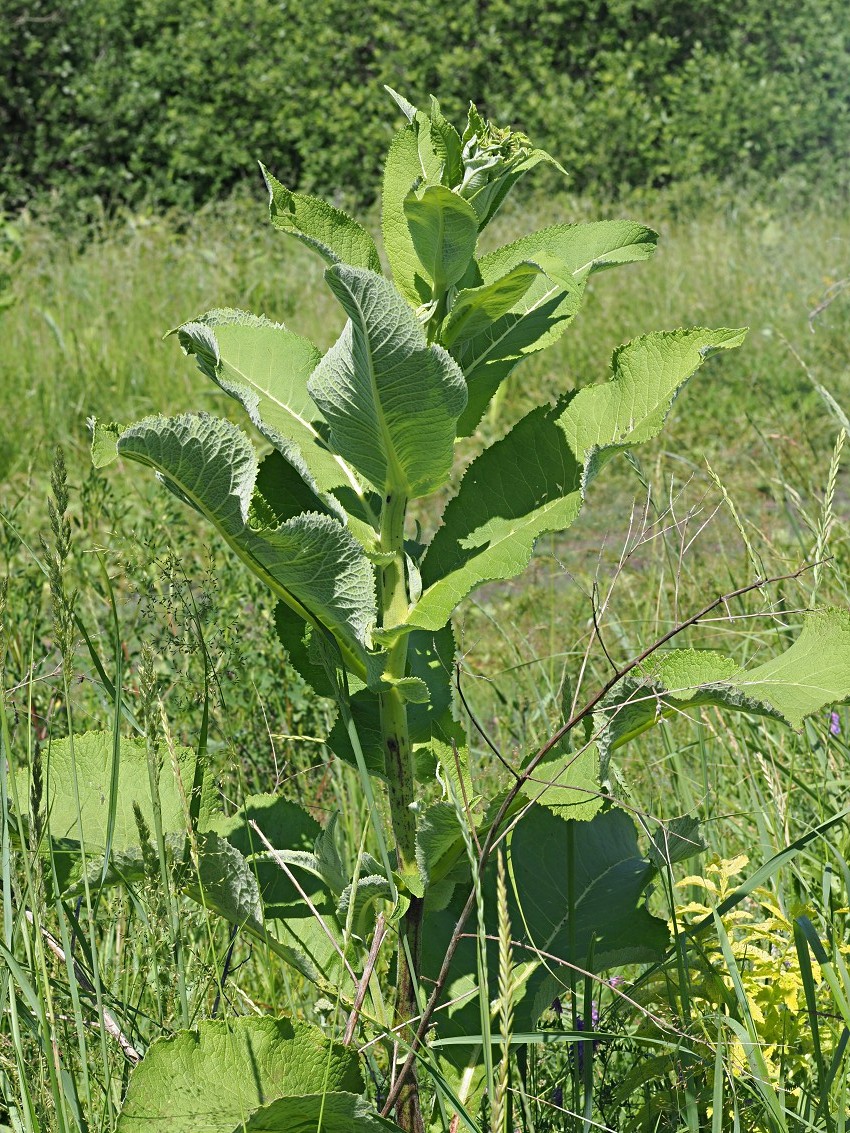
402,170
579,888
444,230
81,767
213,1078
565,255
265,367
811,674
533,481
336,236
310,561
391,401
287,827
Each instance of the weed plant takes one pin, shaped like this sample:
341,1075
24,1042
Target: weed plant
744,1026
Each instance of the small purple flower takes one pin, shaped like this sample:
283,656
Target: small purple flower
594,1023
834,724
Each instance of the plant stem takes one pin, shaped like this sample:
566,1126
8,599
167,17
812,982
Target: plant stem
398,758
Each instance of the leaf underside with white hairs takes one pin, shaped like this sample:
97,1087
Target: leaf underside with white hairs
391,401
311,560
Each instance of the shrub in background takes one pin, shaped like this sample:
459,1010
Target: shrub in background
172,103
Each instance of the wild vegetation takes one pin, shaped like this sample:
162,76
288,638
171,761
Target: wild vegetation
656,940
172,102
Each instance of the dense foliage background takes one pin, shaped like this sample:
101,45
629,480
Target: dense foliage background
171,102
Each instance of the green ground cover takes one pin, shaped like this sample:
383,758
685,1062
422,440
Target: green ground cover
743,482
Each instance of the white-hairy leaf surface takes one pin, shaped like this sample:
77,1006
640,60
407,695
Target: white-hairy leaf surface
391,401
265,367
310,561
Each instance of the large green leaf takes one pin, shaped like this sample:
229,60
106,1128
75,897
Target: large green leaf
578,895
533,481
336,236
579,889
310,561
630,409
565,256
811,674
215,1077
574,250
391,401
476,309
444,230
265,367
81,767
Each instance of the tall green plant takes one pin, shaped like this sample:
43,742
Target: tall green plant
364,608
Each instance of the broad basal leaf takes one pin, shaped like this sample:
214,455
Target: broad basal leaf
81,768
265,367
310,561
215,1077
533,480
289,858
565,255
581,890
336,236
391,401
444,230
810,675
578,894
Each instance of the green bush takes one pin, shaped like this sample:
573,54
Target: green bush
172,101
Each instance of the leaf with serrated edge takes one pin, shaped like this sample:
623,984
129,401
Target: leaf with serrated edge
265,367
214,1077
533,481
811,674
330,1113
310,561
566,255
578,249
336,236
630,409
390,400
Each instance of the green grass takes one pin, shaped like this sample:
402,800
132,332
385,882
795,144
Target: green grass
85,338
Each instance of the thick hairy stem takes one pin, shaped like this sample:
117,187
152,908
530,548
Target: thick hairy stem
398,759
